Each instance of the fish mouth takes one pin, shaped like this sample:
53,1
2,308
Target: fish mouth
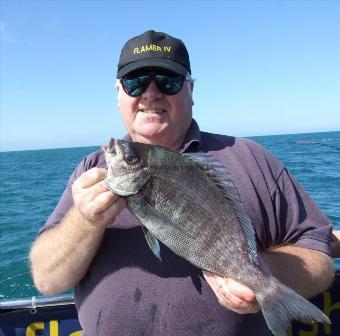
152,111
120,191
112,146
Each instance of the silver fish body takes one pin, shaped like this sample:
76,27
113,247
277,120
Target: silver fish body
188,202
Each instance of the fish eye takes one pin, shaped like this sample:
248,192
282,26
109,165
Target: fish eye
130,158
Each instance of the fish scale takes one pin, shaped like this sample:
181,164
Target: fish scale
200,215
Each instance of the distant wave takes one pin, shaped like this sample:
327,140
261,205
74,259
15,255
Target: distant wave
312,142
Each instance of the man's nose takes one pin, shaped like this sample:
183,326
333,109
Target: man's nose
152,92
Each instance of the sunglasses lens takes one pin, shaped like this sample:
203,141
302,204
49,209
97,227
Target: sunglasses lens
135,86
169,85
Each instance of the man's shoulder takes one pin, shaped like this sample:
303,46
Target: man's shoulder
243,152
209,139
214,141
95,159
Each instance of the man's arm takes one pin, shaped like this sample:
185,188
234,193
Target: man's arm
308,272
61,255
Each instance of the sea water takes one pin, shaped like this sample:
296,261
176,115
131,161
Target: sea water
31,183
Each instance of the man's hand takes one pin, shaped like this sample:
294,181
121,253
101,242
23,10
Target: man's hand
232,294
94,201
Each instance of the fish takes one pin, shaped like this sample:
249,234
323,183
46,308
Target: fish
189,202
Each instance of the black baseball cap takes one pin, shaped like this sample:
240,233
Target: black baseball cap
154,49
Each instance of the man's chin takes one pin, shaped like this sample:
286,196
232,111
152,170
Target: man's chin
151,129
150,136
154,138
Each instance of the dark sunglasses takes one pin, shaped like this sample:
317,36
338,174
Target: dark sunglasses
168,83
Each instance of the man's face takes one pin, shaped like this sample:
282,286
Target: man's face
157,118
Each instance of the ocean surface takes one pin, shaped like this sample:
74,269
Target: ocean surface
31,183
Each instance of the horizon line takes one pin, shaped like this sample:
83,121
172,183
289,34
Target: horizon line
87,146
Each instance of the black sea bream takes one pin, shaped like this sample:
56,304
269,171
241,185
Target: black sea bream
188,202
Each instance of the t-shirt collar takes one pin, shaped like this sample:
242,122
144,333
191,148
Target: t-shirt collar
192,141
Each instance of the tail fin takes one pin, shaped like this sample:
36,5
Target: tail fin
280,305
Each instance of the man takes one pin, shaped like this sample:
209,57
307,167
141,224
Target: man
91,241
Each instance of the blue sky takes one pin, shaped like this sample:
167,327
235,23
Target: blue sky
261,67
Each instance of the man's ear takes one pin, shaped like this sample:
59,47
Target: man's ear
117,88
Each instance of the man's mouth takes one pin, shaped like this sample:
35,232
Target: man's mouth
152,111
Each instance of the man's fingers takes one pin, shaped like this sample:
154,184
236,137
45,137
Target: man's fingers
90,186
103,209
99,188
115,209
236,289
103,200
89,178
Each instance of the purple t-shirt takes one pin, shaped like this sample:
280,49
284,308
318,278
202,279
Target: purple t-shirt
128,291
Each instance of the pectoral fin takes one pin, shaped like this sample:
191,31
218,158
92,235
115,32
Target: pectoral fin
152,242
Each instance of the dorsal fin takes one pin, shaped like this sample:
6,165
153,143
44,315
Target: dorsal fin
220,176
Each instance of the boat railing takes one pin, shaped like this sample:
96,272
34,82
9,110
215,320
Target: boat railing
36,302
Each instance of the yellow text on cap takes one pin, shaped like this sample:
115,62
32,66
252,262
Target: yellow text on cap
151,47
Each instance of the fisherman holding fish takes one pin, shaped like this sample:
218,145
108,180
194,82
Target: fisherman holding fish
176,231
